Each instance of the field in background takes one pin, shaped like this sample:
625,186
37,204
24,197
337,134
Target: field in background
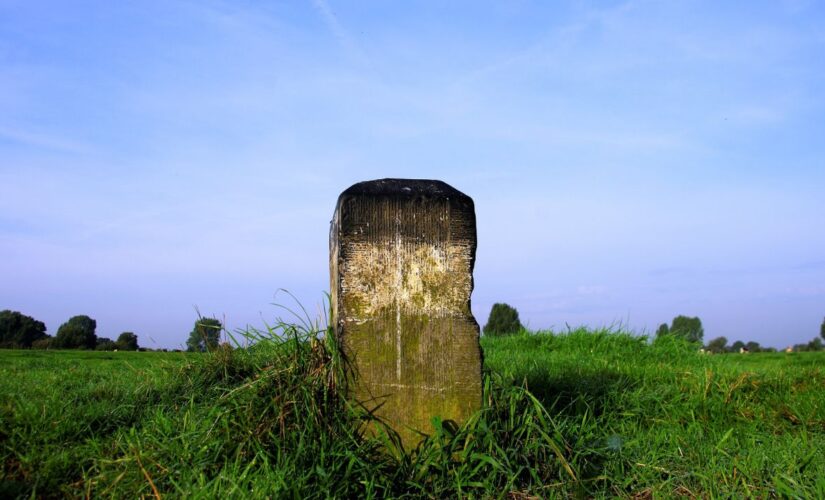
584,413
677,422
57,407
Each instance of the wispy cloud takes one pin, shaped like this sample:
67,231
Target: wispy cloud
43,141
671,271
342,36
811,265
591,290
548,49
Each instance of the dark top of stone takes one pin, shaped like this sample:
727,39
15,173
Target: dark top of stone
404,188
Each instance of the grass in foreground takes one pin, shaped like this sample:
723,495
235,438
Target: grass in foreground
580,414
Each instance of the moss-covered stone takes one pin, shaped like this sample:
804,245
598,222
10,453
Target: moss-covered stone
401,260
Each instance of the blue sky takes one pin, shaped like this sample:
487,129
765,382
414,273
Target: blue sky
629,161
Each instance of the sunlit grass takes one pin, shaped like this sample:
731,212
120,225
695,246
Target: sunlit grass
592,413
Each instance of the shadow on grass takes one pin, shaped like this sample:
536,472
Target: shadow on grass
576,401
577,394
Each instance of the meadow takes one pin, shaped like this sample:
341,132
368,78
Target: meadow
579,414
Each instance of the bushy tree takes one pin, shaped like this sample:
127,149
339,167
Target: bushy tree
688,328
205,335
737,346
77,333
105,344
127,341
19,331
503,320
662,330
717,345
822,329
753,346
814,345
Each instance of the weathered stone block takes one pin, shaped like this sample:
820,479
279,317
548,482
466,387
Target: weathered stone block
401,264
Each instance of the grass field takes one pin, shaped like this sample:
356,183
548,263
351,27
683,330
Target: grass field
586,413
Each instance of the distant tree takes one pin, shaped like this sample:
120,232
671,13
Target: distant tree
503,320
815,344
205,335
737,346
822,329
753,346
662,330
717,345
18,330
688,328
104,344
77,333
127,341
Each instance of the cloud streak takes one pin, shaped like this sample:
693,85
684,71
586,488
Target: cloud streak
341,35
44,141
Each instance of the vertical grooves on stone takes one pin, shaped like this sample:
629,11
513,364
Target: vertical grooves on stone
395,211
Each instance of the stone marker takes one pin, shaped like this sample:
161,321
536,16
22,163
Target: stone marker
401,267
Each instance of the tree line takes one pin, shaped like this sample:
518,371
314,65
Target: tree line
691,330
504,320
18,331
720,345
